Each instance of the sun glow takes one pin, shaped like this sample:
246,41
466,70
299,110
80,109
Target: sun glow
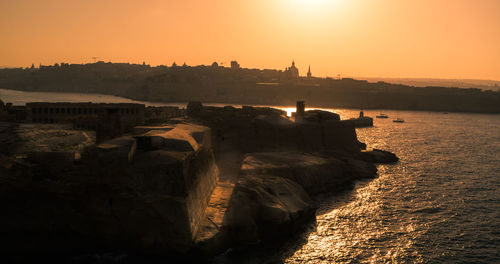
315,5
311,2
313,9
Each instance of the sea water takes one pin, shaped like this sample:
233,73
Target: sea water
439,204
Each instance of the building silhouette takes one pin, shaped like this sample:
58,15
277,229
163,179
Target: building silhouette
235,65
292,72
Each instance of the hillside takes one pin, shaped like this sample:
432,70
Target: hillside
242,86
423,82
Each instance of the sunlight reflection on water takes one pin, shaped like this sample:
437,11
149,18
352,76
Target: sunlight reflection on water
439,204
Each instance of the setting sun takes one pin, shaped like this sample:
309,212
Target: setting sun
314,3
314,8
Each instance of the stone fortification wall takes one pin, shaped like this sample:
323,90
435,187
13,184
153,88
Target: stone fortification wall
160,114
174,167
266,129
119,195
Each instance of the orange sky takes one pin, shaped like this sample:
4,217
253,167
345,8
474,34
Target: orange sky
371,38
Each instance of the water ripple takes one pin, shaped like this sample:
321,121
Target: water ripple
440,204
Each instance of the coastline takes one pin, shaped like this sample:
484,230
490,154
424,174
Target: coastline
183,104
270,165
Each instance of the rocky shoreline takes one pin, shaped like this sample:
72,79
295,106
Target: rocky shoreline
281,167
273,197
216,179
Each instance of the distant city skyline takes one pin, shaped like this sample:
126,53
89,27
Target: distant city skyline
445,39
445,82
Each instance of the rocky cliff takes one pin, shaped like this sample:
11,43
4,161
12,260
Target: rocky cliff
152,191
272,192
119,195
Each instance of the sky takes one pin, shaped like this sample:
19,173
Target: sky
370,38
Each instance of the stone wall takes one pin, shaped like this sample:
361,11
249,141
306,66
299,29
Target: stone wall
253,129
175,182
117,196
279,134
82,115
161,113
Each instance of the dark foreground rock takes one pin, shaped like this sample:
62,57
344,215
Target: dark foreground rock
315,173
146,198
267,208
151,192
272,198
377,156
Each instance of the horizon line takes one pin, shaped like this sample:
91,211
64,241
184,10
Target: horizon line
222,64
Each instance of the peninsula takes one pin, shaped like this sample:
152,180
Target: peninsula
84,178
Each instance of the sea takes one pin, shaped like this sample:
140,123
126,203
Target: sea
439,204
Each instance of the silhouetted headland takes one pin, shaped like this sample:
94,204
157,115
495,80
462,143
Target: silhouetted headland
238,85
83,178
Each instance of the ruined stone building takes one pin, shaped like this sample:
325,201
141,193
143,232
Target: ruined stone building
84,115
12,113
158,114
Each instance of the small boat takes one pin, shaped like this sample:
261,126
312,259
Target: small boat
398,120
382,116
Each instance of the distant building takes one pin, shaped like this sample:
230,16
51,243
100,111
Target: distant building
292,72
309,75
161,113
84,115
3,110
301,109
235,65
12,113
